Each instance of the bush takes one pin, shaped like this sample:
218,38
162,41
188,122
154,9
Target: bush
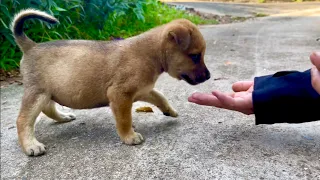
84,19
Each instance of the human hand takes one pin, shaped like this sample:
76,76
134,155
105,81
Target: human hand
315,71
240,100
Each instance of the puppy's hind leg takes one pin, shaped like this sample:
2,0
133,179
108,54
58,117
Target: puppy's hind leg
52,112
32,105
156,98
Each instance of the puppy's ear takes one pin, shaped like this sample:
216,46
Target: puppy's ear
180,35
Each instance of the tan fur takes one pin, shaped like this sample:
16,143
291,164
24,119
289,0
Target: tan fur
86,74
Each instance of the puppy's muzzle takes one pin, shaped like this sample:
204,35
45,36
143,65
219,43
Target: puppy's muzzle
197,77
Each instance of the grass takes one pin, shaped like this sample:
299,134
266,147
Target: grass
85,19
261,15
262,1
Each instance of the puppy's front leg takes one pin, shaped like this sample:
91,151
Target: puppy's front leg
156,98
121,106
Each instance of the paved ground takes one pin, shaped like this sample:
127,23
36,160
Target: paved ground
247,10
203,142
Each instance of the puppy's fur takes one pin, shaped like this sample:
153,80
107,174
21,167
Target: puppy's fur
83,74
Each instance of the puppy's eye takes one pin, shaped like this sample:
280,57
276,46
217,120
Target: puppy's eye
196,58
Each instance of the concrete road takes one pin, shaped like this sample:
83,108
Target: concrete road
246,9
203,142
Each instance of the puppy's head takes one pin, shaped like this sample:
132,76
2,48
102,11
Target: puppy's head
184,48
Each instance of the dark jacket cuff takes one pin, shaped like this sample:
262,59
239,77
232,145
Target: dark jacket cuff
286,96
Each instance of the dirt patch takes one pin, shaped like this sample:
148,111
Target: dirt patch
10,77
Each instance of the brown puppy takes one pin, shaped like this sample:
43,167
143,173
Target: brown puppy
84,74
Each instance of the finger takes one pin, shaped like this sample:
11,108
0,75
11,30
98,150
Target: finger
233,104
242,86
227,101
315,79
205,99
315,59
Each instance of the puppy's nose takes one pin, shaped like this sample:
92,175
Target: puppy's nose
207,74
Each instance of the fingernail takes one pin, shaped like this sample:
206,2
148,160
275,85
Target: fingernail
193,100
195,95
316,54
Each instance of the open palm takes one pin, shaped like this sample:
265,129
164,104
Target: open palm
240,100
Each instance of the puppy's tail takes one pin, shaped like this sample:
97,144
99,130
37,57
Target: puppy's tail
17,26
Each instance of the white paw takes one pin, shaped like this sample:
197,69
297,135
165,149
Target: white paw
171,112
134,139
66,117
35,148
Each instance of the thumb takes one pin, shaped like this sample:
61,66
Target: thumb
315,79
315,59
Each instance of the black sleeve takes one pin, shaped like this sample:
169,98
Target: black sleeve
285,97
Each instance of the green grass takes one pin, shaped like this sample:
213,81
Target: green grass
84,19
262,1
261,15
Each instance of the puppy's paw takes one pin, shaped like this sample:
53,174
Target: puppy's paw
171,112
67,117
35,149
134,139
